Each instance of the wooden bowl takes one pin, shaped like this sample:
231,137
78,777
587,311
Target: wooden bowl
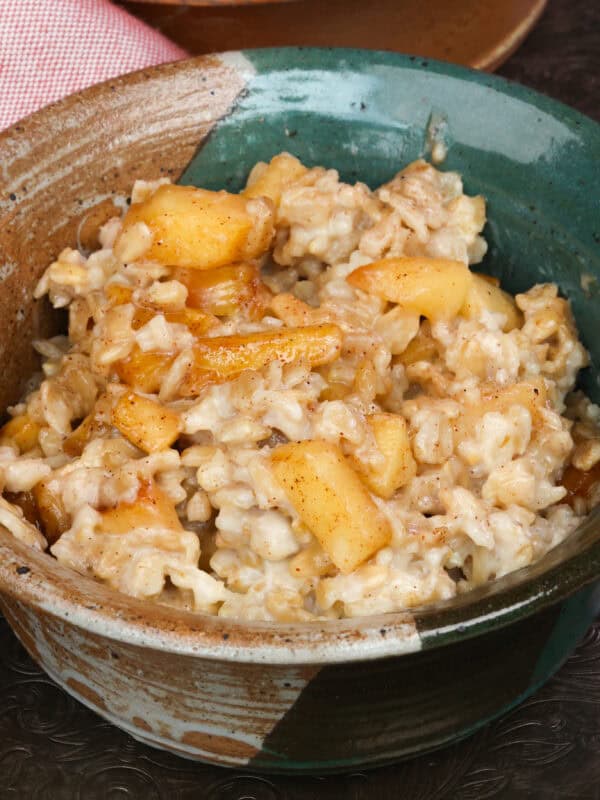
476,33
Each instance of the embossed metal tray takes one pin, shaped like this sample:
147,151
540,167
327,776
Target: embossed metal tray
52,748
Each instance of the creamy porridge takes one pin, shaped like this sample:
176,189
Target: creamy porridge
299,402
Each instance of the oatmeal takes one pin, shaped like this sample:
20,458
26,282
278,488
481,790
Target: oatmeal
299,402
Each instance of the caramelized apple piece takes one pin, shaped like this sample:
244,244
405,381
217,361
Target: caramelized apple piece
199,322
146,423
75,442
579,483
484,296
311,561
118,294
27,504
21,432
531,394
422,348
201,229
152,508
528,394
92,427
335,390
144,371
223,358
51,511
225,290
269,180
397,466
331,501
291,309
433,287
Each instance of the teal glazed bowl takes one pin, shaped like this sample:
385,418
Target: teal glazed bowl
329,696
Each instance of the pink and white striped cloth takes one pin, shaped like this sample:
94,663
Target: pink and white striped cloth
50,48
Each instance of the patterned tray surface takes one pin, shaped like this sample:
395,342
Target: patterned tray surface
51,748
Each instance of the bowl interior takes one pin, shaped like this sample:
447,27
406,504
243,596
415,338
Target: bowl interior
367,114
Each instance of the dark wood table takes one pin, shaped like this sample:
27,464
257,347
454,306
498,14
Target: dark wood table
51,748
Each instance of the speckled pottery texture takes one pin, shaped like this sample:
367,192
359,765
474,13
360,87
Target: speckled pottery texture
334,696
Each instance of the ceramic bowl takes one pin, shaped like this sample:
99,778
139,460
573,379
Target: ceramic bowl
319,697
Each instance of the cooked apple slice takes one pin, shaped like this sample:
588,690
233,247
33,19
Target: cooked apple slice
269,180
201,229
225,290
484,296
144,371
96,424
223,358
422,348
21,432
331,501
146,423
51,510
530,394
199,322
580,484
433,287
397,466
152,508
291,309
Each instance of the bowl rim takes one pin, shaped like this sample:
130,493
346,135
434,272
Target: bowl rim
37,580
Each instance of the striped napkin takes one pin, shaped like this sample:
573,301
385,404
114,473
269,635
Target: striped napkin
50,48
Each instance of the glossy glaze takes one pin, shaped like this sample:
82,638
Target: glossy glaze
535,161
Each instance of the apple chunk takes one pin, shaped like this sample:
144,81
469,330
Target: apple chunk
223,358
484,296
270,180
152,508
51,510
397,465
432,287
201,229
225,290
145,423
331,501
20,431
144,371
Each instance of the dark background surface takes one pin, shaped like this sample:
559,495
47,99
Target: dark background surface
52,748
